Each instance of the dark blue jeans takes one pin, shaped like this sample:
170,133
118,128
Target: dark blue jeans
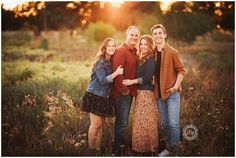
122,109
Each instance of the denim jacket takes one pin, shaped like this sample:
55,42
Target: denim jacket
101,79
145,73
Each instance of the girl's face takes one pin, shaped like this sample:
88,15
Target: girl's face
111,47
143,46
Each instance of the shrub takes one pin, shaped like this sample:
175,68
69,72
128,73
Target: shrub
12,55
146,22
44,44
17,75
99,31
18,38
27,73
186,26
222,36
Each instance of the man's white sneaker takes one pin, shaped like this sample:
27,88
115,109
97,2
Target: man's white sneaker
164,153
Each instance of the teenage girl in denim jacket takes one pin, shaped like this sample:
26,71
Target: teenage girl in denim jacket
97,100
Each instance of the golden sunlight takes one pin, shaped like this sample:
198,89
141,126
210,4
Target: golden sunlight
116,3
217,4
218,12
23,8
71,6
166,5
10,5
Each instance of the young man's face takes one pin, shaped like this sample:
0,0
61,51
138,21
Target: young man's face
132,37
159,35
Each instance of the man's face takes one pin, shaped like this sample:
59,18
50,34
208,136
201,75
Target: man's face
159,35
132,37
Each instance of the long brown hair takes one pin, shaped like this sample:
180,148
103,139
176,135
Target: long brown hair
151,46
102,51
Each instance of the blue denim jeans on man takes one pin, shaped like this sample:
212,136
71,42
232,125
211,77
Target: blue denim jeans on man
169,111
122,109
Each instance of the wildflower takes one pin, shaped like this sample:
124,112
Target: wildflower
70,141
49,141
190,88
15,130
49,126
67,122
82,141
79,136
77,144
11,135
29,100
221,127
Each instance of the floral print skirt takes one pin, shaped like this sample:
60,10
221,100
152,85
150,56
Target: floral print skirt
145,117
98,105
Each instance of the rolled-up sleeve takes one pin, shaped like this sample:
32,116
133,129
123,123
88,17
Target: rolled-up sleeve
178,63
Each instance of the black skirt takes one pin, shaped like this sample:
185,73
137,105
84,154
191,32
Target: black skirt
98,105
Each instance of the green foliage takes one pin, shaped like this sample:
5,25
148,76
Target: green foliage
16,75
27,73
44,44
222,36
10,56
17,38
99,31
146,22
28,107
226,57
186,26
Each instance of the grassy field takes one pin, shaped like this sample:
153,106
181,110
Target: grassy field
43,82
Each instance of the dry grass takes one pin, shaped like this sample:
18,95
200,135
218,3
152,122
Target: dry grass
40,104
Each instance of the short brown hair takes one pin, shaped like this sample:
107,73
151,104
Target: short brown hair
158,26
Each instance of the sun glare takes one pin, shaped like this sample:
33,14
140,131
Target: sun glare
10,5
165,5
116,3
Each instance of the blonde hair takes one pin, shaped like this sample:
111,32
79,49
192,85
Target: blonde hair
102,51
151,47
